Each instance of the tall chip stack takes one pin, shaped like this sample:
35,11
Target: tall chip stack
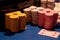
49,18
34,14
55,17
14,20
41,19
43,3
27,11
57,8
51,4
7,20
22,21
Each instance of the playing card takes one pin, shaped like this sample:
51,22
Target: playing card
53,34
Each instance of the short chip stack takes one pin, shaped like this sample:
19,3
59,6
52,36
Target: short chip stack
15,21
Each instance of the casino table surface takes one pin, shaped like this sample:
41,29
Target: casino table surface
31,33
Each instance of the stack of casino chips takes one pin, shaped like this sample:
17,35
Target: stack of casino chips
22,21
41,15
15,21
58,20
27,11
34,16
47,18
7,22
48,4
57,8
43,3
51,4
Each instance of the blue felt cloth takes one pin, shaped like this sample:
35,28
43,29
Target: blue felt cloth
31,33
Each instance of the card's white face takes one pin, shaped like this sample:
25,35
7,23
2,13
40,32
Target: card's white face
53,34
